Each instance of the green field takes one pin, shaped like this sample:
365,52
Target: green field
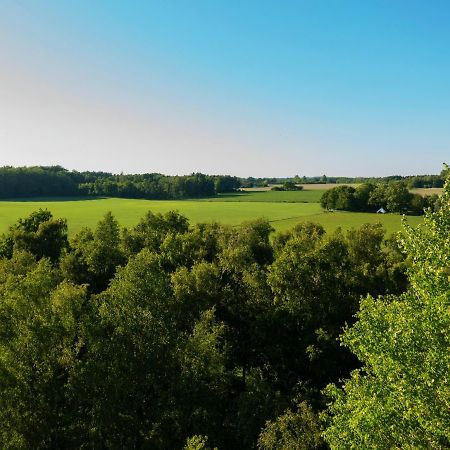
282,209
305,196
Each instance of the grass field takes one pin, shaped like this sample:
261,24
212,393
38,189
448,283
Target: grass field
305,196
282,213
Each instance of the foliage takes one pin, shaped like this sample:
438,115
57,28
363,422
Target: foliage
197,443
288,186
299,430
56,181
39,234
399,399
148,336
393,196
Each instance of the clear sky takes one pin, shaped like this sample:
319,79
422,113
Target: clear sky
261,88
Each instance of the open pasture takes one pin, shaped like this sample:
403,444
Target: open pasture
282,214
331,221
305,196
81,213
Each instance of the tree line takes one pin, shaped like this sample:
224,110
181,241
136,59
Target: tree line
412,181
370,197
22,182
55,181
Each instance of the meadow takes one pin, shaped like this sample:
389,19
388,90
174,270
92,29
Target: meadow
282,209
305,196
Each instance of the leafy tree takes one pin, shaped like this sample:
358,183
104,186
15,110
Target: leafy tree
398,197
362,195
197,442
399,399
311,283
339,197
40,343
39,234
299,430
417,203
124,385
204,380
151,231
95,256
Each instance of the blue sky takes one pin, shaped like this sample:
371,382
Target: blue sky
262,88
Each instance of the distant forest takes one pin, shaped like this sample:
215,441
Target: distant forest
413,181
41,181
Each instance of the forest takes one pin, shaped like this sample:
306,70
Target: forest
168,335
55,181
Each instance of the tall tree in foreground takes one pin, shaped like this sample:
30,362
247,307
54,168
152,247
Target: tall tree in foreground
401,396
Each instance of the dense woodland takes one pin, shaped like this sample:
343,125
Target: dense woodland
56,181
143,337
168,335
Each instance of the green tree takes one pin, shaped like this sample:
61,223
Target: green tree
197,442
399,399
39,234
151,231
339,197
398,197
40,343
377,198
294,430
95,256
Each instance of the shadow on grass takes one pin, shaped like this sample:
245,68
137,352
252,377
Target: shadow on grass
233,195
218,197
51,199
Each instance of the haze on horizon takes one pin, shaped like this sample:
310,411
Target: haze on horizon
255,88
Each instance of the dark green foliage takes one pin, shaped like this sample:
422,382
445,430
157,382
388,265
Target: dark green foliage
151,231
299,430
413,181
39,234
36,181
340,197
94,256
56,181
288,186
157,336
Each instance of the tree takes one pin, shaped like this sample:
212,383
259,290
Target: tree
339,197
294,430
398,197
399,398
95,256
40,342
197,442
124,386
39,234
151,231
